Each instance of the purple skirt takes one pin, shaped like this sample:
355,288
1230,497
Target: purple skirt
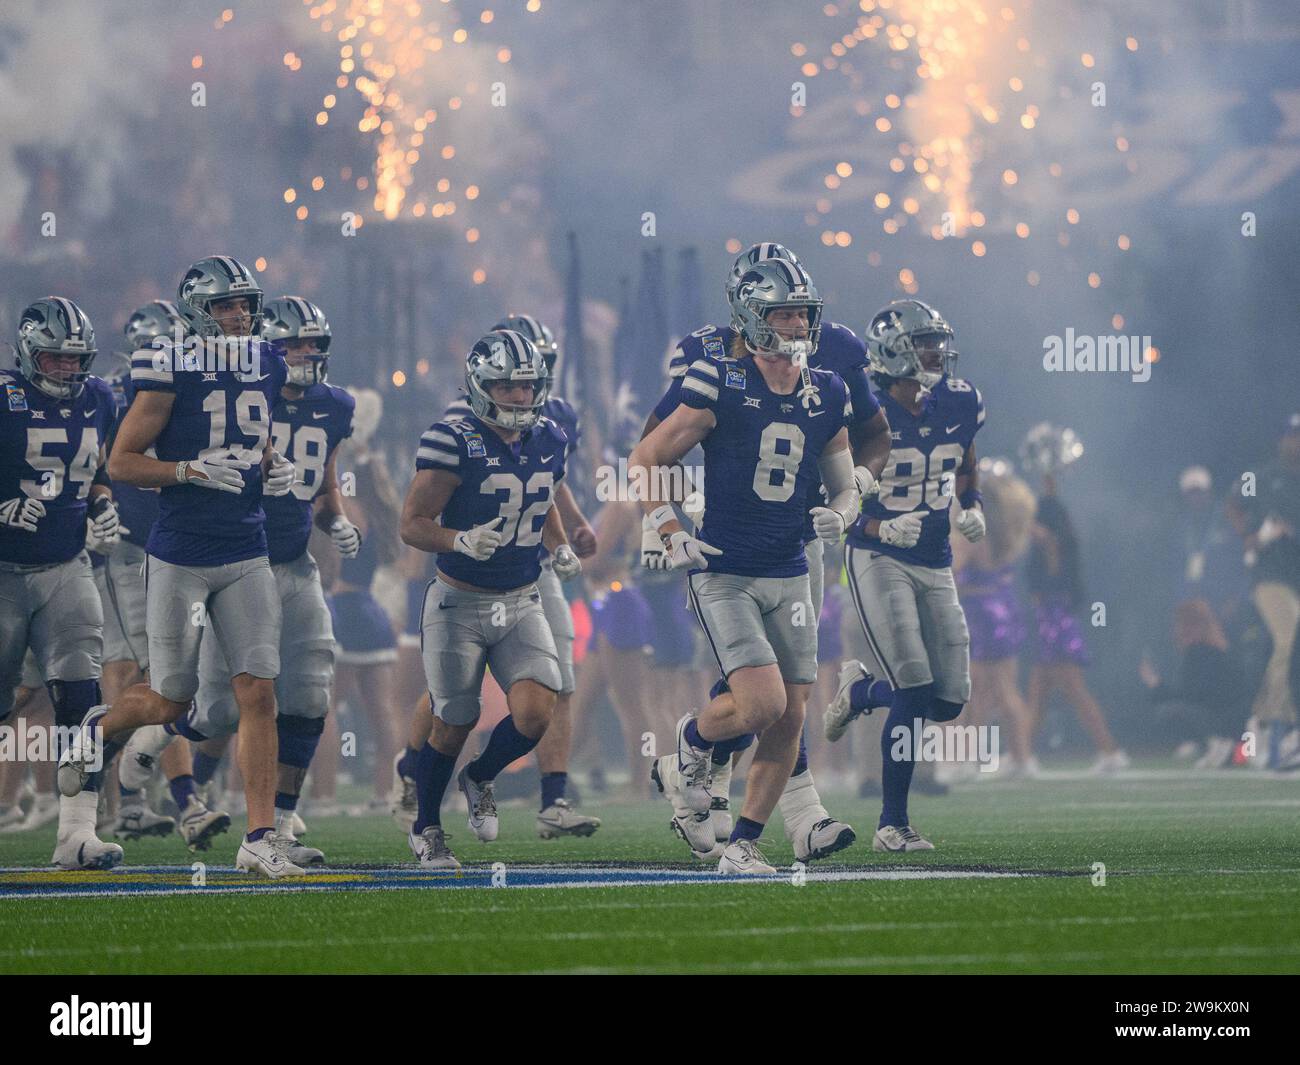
1060,635
997,623
623,618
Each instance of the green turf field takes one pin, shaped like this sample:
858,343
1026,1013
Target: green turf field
1202,876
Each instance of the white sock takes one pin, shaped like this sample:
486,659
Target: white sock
283,822
800,803
720,788
78,814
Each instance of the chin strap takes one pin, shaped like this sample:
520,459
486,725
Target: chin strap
809,394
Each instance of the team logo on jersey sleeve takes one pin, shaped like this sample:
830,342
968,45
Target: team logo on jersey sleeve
714,348
16,396
735,377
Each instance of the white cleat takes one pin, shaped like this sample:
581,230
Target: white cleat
821,839
140,756
839,712
430,848
404,799
695,828
482,807
1109,764
297,826
561,819
693,767
898,839
199,824
743,857
45,809
83,756
82,849
138,820
302,855
268,857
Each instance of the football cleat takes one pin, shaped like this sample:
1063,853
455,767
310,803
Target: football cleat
404,800
82,849
744,857
822,839
140,755
899,839
83,755
839,713
561,819
693,768
695,828
45,808
199,824
482,807
1109,764
430,847
136,820
268,857
302,855
720,807
297,826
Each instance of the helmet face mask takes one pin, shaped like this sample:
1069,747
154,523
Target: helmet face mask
910,340
292,318
770,286
56,327
212,281
506,357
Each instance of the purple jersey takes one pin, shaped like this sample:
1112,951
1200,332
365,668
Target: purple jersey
560,411
760,463
922,468
138,507
49,450
306,431
212,412
497,480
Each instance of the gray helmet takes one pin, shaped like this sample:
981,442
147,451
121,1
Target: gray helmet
541,336
157,319
294,318
765,287
56,325
1048,448
504,355
756,254
892,342
217,277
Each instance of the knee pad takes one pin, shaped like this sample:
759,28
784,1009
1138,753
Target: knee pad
298,739
943,710
71,699
305,699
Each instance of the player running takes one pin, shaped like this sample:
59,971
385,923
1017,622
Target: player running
309,419
206,563
555,816
54,425
808,825
898,556
483,500
772,432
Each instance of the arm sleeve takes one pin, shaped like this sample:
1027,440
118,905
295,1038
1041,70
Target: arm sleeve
837,475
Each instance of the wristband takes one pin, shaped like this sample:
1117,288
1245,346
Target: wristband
180,471
662,515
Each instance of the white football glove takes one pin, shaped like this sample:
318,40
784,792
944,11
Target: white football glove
685,550
865,481
106,526
902,531
279,475
653,555
220,470
970,523
827,524
481,541
566,564
22,513
346,537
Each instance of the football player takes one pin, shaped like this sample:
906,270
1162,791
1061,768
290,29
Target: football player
555,816
898,557
126,644
483,501
208,422
54,426
773,431
309,419
808,825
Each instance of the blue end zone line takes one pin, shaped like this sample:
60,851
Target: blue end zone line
174,880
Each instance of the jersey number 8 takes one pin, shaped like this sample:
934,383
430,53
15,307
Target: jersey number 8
928,480
771,460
